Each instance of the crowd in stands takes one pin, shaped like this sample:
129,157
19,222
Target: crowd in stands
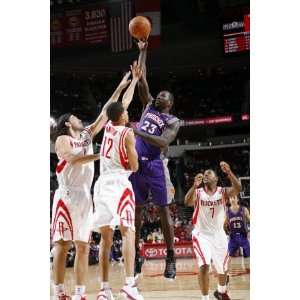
198,93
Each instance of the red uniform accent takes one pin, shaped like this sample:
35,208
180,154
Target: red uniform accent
196,246
129,201
197,208
122,149
65,214
61,166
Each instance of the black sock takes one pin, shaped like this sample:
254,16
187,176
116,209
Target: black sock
137,251
170,253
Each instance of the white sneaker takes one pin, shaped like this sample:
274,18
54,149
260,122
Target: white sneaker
131,292
105,294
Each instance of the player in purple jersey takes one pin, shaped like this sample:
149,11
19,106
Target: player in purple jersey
236,221
154,133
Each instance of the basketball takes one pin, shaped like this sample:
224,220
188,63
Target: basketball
140,27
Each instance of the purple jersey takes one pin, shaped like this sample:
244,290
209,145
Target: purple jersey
152,122
237,222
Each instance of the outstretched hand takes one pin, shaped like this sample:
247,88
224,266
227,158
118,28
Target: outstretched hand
142,44
225,167
198,180
136,70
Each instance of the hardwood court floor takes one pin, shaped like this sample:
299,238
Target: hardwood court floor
153,286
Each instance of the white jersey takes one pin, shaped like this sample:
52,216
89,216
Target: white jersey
209,214
113,154
77,176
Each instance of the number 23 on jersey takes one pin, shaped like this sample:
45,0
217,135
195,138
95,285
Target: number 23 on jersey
148,127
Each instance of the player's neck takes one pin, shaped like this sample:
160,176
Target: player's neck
118,123
234,206
210,188
74,134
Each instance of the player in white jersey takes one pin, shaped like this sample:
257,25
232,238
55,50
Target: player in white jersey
209,238
113,195
72,205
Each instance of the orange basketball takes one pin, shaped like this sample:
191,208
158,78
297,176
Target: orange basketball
140,27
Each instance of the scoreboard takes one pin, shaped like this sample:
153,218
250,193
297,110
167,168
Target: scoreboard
236,35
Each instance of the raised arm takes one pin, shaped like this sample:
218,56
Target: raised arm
162,141
131,152
143,87
136,75
102,118
236,186
64,151
190,197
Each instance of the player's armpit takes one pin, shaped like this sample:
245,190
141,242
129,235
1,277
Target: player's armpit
131,151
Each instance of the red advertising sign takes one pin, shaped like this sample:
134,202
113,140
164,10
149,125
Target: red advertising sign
95,25
245,117
209,121
73,27
152,251
82,26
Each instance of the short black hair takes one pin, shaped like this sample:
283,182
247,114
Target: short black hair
60,128
114,111
169,95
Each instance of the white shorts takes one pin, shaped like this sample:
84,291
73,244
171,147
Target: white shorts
72,215
211,247
114,202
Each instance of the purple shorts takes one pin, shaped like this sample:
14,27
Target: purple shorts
237,241
152,176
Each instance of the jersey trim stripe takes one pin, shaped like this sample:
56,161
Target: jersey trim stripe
60,166
122,150
88,130
197,207
198,248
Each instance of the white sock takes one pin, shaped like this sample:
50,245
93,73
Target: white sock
206,297
222,289
104,285
130,281
79,289
59,289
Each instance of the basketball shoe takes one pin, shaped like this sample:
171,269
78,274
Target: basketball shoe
131,292
62,297
221,296
170,270
105,294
